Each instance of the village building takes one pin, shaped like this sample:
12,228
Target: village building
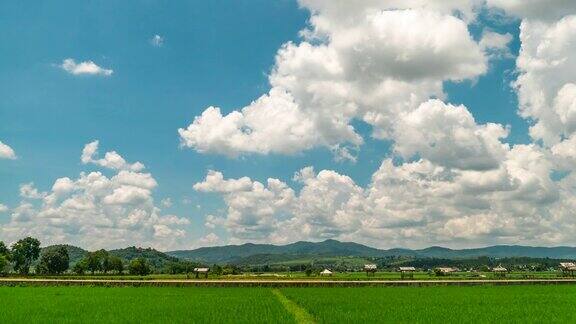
198,271
326,272
370,269
407,272
443,271
500,271
568,268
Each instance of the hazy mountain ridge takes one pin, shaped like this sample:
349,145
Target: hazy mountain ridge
241,253
262,253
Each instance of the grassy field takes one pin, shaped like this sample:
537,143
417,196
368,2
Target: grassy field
482,304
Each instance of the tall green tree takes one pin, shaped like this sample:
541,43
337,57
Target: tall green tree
3,265
54,261
4,250
24,252
80,267
105,261
92,262
116,264
139,266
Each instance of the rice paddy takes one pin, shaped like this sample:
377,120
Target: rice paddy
479,304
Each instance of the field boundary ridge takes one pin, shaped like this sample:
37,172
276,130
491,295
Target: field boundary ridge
276,283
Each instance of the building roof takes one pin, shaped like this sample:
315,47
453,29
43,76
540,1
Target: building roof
201,269
370,267
407,269
499,269
446,270
326,271
568,266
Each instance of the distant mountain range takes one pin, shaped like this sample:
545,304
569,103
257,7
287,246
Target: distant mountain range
255,254
331,248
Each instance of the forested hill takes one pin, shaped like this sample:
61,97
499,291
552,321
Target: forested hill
232,253
235,253
155,258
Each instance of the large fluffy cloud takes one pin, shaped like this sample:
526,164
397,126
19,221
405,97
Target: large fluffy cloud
273,123
546,85
448,135
371,61
96,211
254,209
536,9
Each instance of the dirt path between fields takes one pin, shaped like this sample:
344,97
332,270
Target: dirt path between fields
301,315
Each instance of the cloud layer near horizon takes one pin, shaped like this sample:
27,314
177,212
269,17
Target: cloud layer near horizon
95,210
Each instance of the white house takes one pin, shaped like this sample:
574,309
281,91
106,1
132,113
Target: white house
326,272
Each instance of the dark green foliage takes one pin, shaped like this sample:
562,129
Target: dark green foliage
93,262
105,262
54,261
102,261
24,252
116,264
80,267
4,251
231,269
181,267
139,266
3,265
217,269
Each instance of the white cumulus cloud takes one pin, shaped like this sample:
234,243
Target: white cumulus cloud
370,61
111,160
96,211
87,67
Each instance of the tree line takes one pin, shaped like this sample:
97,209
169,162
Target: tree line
55,260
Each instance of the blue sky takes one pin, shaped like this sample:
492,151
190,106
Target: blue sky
217,53
214,53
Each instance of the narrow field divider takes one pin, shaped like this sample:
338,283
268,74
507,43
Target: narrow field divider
300,314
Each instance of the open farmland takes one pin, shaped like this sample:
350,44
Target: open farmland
481,304
484,304
140,305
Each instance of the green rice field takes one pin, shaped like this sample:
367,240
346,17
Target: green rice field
437,304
